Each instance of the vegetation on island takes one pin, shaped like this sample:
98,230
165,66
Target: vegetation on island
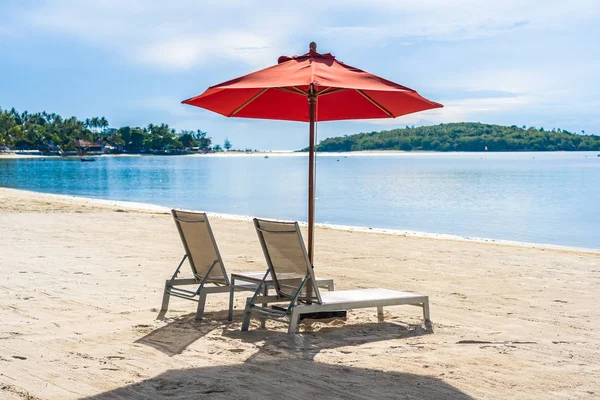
464,136
51,133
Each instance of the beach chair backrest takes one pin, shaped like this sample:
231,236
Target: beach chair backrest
200,246
286,257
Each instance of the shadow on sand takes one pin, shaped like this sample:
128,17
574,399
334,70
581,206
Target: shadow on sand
308,344
181,332
285,378
283,365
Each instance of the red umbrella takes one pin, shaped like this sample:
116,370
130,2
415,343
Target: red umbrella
338,91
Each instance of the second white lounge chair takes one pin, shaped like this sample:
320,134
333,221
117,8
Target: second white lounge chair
293,279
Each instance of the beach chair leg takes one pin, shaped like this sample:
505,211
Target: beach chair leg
231,292
166,296
201,303
263,321
247,315
294,318
426,311
330,286
380,314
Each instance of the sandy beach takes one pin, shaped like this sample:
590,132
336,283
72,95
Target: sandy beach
83,281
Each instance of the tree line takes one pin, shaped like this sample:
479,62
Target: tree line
464,136
40,131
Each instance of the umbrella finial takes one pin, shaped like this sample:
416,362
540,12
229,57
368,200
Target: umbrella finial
312,46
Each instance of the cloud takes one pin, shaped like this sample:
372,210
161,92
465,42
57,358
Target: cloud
413,32
457,20
188,51
180,34
508,80
170,35
457,110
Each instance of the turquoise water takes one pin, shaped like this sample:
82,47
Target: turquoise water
551,198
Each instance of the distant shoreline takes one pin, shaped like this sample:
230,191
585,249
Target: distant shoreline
15,155
292,153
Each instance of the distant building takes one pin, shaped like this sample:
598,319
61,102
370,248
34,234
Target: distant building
85,147
110,149
50,148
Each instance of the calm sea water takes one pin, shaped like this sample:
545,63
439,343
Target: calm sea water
551,198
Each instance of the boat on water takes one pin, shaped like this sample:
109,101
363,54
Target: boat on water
87,159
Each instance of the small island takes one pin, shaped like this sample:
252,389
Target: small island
463,136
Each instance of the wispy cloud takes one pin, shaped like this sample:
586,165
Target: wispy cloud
188,51
457,20
466,109
182,33
413,32
512,80
170,35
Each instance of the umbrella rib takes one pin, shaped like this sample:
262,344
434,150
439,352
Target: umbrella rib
327,91
257,95
293,89
382,108
300,90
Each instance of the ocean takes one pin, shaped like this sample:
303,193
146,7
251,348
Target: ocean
545,198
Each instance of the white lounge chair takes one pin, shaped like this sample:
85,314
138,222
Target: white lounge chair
207,266
293,278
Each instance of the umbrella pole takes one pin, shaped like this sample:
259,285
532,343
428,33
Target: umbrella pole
312,99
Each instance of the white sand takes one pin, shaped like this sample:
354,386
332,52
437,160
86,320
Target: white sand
83,280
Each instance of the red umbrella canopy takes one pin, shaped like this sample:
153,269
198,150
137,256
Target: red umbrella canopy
280,92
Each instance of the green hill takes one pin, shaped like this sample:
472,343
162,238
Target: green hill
464,136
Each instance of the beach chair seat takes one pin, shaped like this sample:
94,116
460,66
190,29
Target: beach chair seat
208,270
293,276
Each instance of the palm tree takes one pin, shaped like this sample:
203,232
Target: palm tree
200,134
103,123
95,122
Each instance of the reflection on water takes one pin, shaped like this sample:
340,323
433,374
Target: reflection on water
534,197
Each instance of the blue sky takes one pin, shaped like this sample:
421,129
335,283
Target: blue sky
531,63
